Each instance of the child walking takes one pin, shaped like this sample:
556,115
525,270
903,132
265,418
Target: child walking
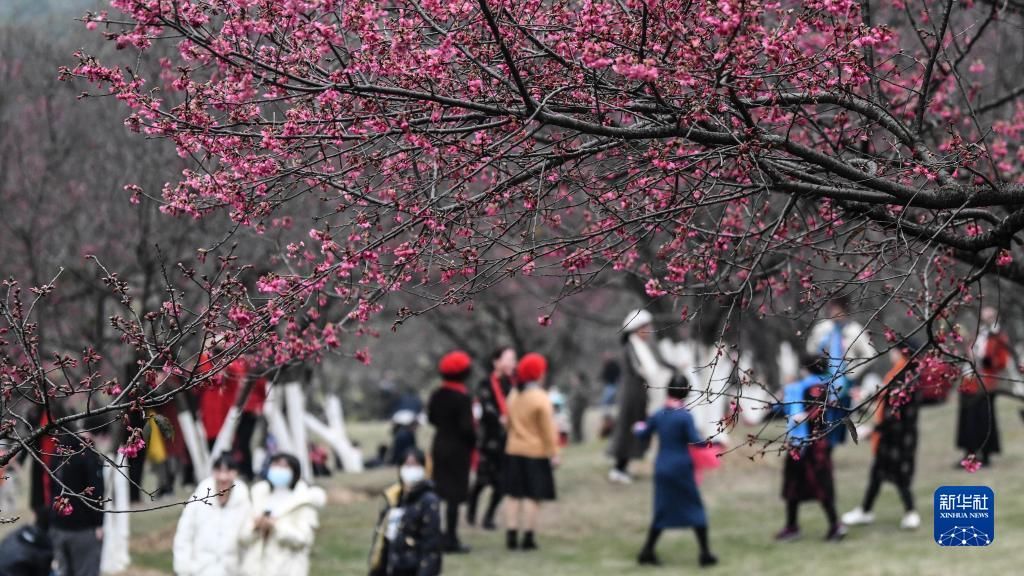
807,474
677,502
894,440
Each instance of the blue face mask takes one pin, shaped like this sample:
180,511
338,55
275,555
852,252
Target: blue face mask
279,476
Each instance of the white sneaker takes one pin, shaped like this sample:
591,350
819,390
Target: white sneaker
911,521
619,477
858,517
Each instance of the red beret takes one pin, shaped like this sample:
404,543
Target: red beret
454,363
531,368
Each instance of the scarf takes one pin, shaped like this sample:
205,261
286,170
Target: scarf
47,452
499,394
459,387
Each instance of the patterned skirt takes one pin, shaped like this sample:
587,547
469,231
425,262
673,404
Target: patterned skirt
809,477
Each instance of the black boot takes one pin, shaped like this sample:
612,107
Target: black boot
528,541
512,539
488,523
452,543
647,557
707,559
492,510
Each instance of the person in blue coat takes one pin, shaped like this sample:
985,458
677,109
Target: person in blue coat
807,473
677,502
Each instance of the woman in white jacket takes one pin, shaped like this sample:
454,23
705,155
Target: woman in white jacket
207,541
285,514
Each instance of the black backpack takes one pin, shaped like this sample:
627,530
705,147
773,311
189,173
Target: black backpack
27,551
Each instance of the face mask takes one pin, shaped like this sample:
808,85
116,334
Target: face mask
411,474
279,477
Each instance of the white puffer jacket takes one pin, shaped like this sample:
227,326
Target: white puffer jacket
285,552
207,542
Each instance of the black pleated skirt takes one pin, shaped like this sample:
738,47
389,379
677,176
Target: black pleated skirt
530,478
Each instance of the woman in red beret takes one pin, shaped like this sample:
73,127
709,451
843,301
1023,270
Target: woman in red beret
450,411
532,450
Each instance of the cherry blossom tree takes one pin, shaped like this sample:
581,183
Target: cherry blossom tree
480,141
739,159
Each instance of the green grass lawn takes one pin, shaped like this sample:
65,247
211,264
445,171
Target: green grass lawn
596,528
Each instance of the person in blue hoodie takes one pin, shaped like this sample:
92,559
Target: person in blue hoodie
807,474
677,502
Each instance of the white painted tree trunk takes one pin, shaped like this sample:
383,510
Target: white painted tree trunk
321,432
753,400
351,457
295,403
114,556
226,436
194,441
789,364
276,424
710,380
717,382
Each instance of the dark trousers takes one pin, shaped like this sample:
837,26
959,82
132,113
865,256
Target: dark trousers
793,509
77,551
451,524
875,484
577,426
136,471
492,508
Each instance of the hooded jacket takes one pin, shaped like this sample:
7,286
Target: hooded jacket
285,552
207,541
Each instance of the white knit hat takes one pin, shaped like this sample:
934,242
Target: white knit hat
636,320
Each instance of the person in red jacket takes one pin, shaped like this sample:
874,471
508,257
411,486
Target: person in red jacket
218,394
977,429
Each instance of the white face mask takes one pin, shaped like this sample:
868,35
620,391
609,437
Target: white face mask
411,474
279,476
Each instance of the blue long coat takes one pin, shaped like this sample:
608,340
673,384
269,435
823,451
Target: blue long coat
677,502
